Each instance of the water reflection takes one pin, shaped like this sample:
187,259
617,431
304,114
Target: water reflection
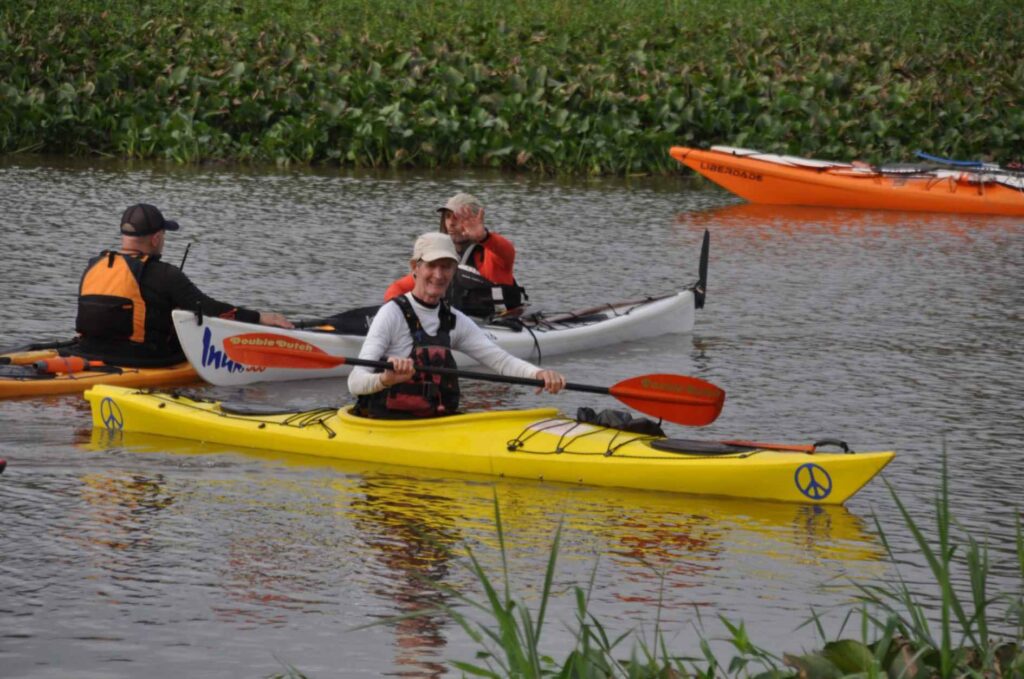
808,220
123,505
412,533
407,524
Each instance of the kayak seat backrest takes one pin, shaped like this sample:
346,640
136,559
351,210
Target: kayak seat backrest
687,447
619,419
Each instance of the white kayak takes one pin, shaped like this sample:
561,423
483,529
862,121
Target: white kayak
534,339
530,336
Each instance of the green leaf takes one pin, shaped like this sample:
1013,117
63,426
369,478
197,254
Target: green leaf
774,674
454,77
179,75
401,61
813,666
849,656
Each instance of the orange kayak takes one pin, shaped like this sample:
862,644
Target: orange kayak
791,180
19,377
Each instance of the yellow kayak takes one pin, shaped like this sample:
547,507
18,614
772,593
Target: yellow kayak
18,377
652,527
531,444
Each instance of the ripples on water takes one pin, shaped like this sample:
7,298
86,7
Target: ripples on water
886,329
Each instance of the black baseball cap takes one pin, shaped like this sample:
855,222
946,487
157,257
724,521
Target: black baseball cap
143,220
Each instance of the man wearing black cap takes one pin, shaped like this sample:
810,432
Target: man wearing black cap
125,298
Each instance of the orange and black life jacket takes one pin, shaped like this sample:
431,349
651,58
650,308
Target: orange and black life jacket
426,394
110,302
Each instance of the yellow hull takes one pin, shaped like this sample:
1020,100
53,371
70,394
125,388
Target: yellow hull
529,444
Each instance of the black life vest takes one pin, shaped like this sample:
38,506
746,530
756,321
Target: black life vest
426,394
110,302
474,295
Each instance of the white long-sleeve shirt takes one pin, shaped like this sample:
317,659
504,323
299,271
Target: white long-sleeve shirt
389,336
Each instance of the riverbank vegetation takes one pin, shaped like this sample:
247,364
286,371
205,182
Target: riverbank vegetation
549,86
899,631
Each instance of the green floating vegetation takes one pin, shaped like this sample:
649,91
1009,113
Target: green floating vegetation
547,86
896,637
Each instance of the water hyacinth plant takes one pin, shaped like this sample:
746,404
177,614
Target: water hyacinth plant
600,87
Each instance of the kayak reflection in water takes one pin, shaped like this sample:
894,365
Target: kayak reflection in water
420,327
483,285
126,297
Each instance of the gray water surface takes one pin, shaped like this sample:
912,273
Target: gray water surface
161,557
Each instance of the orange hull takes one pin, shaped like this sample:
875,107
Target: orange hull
822,183
70,383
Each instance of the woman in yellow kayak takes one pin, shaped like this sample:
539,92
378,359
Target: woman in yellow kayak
420,327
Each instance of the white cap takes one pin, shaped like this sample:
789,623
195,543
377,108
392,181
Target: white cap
460,200
433,246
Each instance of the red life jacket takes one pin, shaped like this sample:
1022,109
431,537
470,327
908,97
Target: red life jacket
110,302
426,394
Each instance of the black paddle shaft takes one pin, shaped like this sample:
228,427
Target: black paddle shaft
471,375
39,346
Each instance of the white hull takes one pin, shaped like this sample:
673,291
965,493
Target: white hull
626,321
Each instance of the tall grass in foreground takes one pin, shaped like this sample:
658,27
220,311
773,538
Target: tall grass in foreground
896,637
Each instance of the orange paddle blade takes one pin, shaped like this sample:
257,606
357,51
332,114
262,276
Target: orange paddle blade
278,351
676,398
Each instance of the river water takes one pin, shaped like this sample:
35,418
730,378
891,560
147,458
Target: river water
158,556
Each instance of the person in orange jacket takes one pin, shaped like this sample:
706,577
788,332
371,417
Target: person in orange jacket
484,285
126,297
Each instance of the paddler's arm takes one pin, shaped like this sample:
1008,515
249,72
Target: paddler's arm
381,340
185,295
468,338
499,259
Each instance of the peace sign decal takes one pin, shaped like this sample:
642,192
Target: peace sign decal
813,481
111,415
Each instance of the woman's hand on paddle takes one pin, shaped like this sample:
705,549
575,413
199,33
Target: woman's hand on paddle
401,371
554,382
276,319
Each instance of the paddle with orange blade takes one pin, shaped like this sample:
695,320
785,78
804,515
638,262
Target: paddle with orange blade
676,398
